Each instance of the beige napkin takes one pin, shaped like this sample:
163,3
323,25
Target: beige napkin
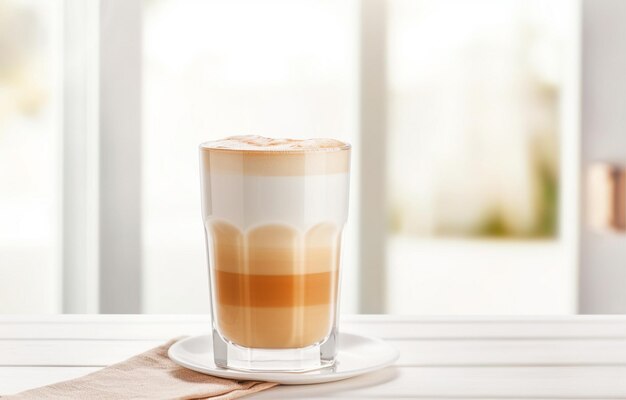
150,375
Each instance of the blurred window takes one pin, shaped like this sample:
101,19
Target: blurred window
474,92
474,105
30,163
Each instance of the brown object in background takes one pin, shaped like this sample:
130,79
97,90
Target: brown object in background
607,196
618,207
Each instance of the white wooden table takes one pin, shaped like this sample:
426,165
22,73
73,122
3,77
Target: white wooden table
484,358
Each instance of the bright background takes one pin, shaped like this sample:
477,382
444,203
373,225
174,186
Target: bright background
475,129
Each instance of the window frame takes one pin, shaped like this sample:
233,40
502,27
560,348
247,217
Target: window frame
102,157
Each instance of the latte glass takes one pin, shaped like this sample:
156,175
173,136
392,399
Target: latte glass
274,212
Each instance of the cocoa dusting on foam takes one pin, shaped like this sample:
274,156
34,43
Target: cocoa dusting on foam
260,143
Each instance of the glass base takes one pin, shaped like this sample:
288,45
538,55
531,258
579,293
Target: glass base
232,356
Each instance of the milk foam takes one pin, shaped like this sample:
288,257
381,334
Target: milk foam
251,181
260,143
246,201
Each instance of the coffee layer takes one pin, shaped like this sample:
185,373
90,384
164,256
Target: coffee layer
275,290
275,249
275,327
275,286
269,164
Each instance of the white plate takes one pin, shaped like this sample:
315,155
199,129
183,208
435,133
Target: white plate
357,355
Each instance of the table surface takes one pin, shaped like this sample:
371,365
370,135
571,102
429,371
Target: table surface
480,358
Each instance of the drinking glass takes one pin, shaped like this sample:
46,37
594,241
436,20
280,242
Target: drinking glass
273,221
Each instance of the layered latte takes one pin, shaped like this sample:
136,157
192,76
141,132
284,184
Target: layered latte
274,211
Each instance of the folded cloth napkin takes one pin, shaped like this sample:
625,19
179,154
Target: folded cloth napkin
150,375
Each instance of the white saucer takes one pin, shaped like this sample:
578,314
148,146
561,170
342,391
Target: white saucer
357,355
